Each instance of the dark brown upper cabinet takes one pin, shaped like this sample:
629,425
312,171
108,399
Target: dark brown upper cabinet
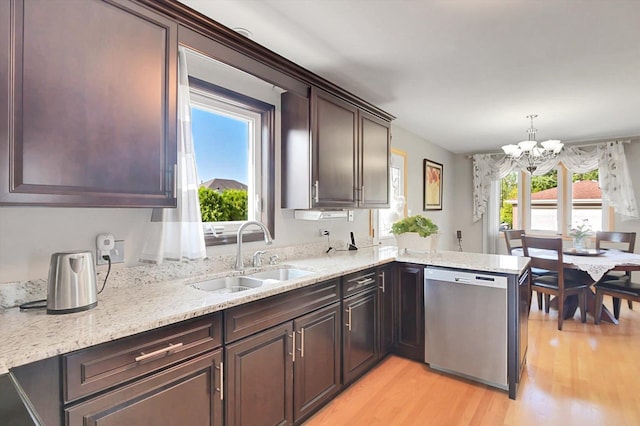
334,154
87,104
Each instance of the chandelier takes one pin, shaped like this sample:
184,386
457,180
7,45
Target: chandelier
528,154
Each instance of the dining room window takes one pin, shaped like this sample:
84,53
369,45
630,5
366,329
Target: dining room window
553,203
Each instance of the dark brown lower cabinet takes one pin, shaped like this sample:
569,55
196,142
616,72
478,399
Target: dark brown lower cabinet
316,372
360,345
409,312
275,378
260,378
385,310
187,394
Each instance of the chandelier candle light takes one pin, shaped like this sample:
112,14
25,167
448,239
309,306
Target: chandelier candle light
528,154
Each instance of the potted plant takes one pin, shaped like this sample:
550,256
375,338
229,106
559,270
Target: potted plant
580,234
417,233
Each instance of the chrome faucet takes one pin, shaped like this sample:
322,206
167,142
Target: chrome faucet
239,266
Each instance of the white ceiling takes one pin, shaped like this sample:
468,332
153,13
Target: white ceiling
464,74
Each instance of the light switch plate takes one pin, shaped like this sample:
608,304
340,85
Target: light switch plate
116,254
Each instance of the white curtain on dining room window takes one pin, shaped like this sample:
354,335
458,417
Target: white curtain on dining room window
609,158
177,234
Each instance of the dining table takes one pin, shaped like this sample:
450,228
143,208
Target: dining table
595,263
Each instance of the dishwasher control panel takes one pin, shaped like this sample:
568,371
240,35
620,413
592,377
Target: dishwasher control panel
465,277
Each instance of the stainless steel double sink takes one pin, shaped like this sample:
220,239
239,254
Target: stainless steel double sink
240,283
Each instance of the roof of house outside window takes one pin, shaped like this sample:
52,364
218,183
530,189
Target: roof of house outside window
581,190
222,185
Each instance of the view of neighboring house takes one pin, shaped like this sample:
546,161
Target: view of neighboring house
587,204
222,185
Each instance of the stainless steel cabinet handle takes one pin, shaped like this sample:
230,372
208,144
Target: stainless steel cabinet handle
293,347
365,281
382,278
349,323
301,342
221,390
175,180
316,196
165,351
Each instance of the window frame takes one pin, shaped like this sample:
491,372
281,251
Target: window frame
564,206
266,169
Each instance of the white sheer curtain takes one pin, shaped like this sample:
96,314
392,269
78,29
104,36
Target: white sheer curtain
608,158
177,234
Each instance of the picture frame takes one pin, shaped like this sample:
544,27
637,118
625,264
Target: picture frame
433,174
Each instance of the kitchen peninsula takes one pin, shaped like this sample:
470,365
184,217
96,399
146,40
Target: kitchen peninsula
140,302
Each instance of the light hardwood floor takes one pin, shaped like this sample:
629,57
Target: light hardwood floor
586,374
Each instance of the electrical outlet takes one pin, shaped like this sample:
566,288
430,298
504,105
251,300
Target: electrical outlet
116,254
324,232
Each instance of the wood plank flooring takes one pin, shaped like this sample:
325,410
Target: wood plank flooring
586,374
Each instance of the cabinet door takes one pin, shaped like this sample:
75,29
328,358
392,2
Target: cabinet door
375,139
334,142
359,349
409,304
385,310
260,379
316,374
188,394
88,114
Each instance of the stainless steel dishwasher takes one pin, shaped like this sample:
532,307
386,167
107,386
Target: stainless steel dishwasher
466,324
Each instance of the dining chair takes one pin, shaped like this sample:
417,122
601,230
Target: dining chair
546,253
513,238
617,289
623,241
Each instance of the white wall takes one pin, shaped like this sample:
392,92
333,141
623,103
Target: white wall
417,150
472,232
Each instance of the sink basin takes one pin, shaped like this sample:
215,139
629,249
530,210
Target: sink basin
228,284
282,274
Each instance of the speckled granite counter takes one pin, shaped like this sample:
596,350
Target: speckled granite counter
130,308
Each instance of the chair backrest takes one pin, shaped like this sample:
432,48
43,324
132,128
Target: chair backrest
624,241
513,238
545,253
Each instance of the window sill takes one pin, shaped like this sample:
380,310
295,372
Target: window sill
226,239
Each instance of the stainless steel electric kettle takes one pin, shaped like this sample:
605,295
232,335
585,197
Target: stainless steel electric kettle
72,282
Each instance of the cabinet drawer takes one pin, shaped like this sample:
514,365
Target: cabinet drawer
359,281
97,368
244,320
180,395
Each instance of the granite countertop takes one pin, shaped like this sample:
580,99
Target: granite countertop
136,307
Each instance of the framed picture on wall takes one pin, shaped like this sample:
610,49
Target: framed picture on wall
432,176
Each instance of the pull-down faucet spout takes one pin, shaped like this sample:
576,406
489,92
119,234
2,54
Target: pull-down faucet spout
239,266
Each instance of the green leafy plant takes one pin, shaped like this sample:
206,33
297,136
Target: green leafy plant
581,231
420,224
230,205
